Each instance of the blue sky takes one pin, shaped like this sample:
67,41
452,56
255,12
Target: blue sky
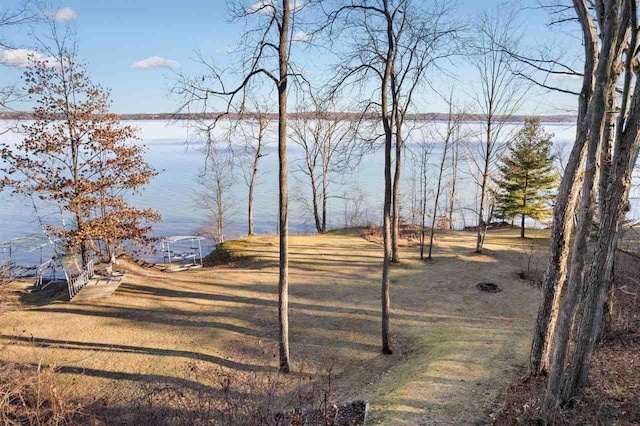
114,35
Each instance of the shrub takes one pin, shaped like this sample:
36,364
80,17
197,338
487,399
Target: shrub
31,396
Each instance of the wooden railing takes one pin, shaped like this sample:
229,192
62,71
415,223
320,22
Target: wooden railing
76,283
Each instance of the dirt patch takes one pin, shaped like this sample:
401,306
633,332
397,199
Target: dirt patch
409,235
488,287
492,226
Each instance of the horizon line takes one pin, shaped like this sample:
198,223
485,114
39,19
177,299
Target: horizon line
333,115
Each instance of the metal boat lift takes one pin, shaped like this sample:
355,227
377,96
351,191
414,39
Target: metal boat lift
44,272
177,257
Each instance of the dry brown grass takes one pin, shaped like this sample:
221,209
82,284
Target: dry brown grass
31,396
455,346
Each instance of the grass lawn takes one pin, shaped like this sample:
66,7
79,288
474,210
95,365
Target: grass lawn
456,347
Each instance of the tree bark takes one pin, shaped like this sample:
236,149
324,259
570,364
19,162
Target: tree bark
220,208
563,212
386,222
423,201
563,324
435,203
84,251
252,185
386,279
395,236
482,227
596,120
283,283
314,194
481,221
454,166
254,174
325,172
614,195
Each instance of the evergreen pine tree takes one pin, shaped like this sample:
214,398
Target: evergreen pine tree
527,176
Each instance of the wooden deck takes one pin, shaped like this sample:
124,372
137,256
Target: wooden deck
98,287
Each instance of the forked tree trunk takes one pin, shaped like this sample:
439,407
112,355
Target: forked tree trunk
614,205
596,120
600,275
563,326
283,283
563,214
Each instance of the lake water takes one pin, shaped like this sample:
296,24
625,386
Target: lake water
174,191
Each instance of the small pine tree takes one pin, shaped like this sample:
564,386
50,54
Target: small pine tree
527,176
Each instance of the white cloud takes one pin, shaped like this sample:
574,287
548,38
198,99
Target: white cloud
263,7
566,77
227,49
267,7
21,58
303,36
155,62
64,14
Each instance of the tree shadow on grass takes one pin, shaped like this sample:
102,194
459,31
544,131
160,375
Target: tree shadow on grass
56,292
129,349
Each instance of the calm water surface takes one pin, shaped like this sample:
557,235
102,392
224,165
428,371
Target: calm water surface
175,190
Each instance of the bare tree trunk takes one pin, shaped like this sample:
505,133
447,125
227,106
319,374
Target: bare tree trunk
482,227
283,284
587,329
604,159
596,120
314,194
84,251
386,220
435,204
600,275
254,174
423,201
386,225
395,235
252,185
563,213
454,176
614,203
563,326
220,209
324,199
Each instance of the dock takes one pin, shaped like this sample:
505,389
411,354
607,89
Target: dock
98,287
